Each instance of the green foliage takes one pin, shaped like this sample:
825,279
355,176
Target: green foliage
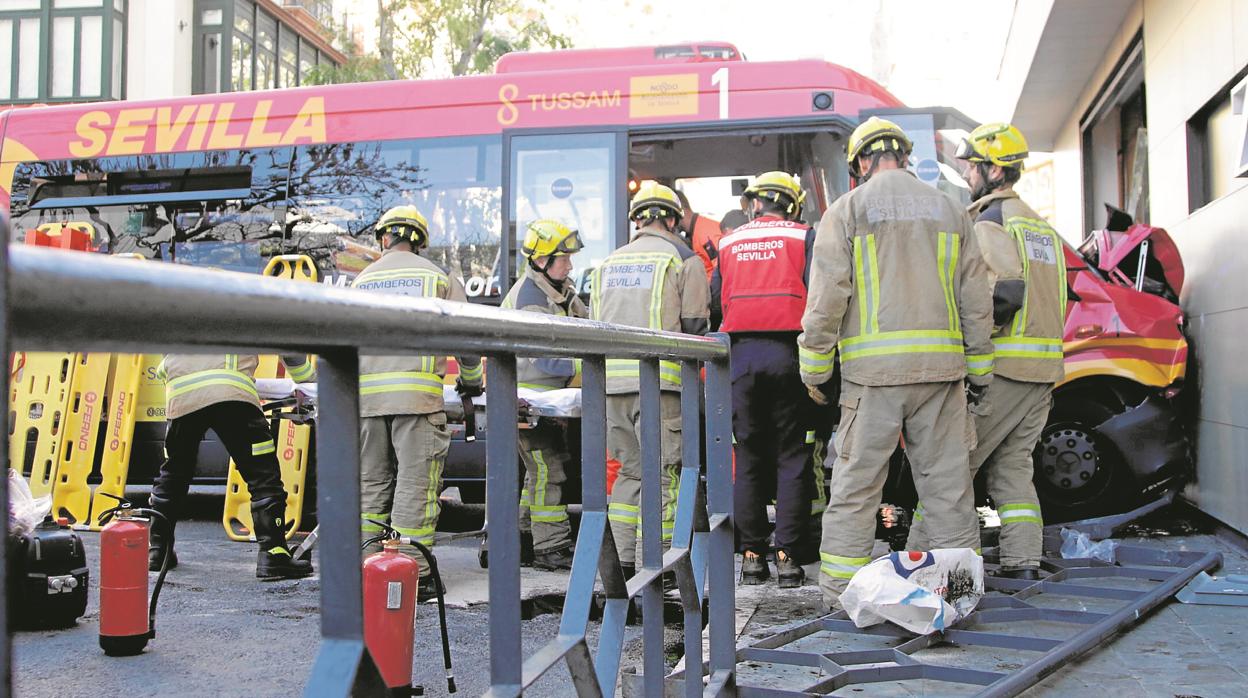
436,38
358,68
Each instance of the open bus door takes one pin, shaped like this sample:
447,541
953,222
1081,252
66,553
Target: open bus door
578,178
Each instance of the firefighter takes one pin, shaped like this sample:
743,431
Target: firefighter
219,393
403,433
654,281
764,267
897,288
1027,272
548,247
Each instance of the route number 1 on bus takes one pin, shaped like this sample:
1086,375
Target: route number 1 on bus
720,77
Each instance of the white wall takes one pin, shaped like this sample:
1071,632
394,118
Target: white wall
158,63
1067,163
1191,52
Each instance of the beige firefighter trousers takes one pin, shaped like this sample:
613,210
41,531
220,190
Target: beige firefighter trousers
544,451
1007,435
624,445
939,435
401,461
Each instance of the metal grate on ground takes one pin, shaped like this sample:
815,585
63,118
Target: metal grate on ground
1021,632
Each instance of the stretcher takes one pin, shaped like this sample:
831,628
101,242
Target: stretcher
558,404
292,431
563,404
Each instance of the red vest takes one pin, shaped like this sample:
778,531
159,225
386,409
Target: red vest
761,265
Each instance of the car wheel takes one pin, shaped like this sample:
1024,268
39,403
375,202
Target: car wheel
1078,472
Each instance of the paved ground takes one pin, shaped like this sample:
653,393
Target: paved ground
1178,651
221,632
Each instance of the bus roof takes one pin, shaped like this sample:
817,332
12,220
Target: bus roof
651,96
589,58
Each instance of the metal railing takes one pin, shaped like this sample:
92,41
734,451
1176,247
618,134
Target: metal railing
79,302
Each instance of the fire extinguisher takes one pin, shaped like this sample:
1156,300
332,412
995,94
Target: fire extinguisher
127,620
390,581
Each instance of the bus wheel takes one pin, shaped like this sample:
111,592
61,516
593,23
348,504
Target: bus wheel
1079,473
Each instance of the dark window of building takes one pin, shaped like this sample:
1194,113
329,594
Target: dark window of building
1217,149
307,59
288,56
266,51
243,56
62,50
238,47
1115,143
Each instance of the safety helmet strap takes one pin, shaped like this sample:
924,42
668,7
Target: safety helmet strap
987,184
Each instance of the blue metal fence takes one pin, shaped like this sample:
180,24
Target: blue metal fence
76,302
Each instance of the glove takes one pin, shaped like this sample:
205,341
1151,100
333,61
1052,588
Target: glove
975,394
468,389
822,394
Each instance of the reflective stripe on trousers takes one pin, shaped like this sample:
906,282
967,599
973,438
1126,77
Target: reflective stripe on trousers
539,510
1024,512
263,447
841,567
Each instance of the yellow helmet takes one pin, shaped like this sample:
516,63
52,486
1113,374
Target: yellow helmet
876,135
404,223
653,200
548,237
782,188
998,144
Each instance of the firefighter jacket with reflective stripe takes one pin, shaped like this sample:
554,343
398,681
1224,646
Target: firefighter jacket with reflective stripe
392,385
1018,244
762,275
655,281
897,286
535,293
195,381
704,238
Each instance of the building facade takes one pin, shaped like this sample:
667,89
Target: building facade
64,51
1142,104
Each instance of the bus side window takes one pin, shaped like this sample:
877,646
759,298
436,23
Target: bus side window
211,208
338,191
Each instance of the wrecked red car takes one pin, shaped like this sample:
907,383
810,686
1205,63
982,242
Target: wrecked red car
1117,433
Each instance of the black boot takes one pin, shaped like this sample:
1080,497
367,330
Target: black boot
528,558
526,550
160,533
274,560
553,560
1027,574
789,574
754,569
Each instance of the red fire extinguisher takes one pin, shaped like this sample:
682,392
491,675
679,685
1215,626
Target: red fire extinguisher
390,582
127,620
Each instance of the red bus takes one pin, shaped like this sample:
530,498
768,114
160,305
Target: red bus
231,180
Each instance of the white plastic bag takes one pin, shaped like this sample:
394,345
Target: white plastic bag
1077,544
921,592
25,510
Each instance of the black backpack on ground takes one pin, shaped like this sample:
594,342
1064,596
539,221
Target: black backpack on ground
47,577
